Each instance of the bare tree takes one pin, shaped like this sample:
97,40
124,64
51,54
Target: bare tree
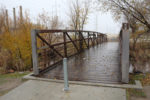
84,13
79,14
136,12
44,19
74,15
50,22
55,23
136,9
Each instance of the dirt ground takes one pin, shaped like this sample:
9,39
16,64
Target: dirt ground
10,81
10,84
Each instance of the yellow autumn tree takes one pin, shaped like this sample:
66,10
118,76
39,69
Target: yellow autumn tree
15,42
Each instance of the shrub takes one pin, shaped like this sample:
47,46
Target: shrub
5,61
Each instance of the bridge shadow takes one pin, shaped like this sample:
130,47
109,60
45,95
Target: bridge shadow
97,64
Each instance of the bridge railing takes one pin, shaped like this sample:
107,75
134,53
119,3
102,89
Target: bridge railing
124,52
49,47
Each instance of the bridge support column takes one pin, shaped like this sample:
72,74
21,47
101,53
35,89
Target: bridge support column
66,84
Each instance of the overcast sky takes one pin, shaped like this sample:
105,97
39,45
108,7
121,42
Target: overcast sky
105,22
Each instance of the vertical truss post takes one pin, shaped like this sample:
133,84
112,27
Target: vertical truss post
65,46
88,40
34,52
97,38
93,39
101,38
80,41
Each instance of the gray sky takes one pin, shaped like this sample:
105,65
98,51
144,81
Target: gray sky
105,22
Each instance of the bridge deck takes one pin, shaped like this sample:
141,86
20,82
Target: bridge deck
97,64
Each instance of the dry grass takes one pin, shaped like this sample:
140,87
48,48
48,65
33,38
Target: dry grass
140,56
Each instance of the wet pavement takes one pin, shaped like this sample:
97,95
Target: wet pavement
97,64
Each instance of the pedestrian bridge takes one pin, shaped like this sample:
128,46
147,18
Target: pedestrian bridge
91,58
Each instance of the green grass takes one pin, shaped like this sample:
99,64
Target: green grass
134,77
136,93
13,75
127,95
144,78
4,77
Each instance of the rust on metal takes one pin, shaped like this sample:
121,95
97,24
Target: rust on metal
65,46
72,42
49,45
52,53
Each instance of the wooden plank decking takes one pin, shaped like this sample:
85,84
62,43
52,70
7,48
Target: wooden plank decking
97,64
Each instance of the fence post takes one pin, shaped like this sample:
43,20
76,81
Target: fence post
125,53
34,52
66,85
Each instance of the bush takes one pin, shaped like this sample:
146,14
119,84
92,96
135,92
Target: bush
140,57
15,42
5,61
